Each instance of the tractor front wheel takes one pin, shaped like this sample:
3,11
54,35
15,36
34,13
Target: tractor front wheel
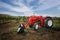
36,26
20,28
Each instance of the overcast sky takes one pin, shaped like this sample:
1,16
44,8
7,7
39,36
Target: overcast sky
30,7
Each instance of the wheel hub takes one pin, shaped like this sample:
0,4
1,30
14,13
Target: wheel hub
50,23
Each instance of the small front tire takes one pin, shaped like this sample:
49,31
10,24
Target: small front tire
20,29
36,26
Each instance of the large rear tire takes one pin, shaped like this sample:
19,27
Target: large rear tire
49,23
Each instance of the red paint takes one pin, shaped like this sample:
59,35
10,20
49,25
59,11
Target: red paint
32,20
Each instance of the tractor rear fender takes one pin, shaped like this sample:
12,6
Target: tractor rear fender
48,17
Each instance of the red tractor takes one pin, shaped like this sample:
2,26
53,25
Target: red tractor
35,22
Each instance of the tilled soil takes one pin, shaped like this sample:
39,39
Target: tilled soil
8,32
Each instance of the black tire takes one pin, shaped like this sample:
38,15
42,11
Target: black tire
31,25
48,23
20,29
36,27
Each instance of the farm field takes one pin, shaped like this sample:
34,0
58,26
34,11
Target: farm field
8,30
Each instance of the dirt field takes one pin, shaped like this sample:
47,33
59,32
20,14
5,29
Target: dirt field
8,32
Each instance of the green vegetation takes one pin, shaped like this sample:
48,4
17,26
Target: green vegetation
56,23
7,18
4,18
8,29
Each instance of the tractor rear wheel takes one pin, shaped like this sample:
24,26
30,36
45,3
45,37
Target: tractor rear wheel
49,23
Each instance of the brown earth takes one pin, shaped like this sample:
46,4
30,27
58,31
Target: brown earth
8,32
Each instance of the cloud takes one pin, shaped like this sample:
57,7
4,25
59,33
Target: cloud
41,4
22,8
28,13
49,4
58,8
29,7
9,13
17,9
46,4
